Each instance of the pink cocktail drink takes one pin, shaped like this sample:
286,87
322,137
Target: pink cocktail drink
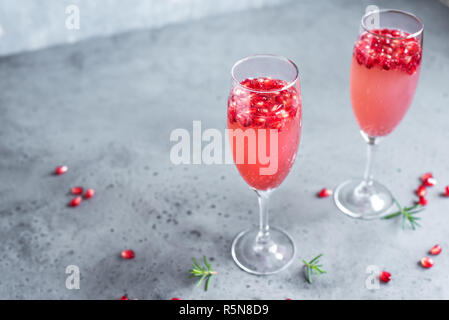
264,127
385,69
269,104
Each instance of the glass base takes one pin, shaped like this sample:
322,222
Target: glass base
263,257
364,201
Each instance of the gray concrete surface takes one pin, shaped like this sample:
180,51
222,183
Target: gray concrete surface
106,107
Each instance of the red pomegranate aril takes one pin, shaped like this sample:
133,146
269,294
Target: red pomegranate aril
385,276
246,83
128,254
426,176
422,201
75,202
387,52
124,298
396,33
176,298
422,191
232,114
61,170
430,182
89,193
412,47
324,193
77,190
435,250
265,109
259,120
244,119
446,191
386,64
427,262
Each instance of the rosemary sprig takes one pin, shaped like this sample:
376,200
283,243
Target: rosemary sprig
408,214
313,267
202,272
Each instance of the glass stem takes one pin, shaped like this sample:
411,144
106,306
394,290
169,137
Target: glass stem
371,148
263,236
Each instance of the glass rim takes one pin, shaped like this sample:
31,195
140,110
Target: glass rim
411,15
288,85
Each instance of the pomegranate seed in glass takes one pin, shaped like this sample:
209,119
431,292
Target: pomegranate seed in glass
385,68
264,114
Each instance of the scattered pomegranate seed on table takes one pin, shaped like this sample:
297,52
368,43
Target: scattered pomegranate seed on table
430,182
128,254
76,201
89,193
385,276
435,250
61,170
176,298
421,191
426,176
124,298
77,190
324,193
422,201
446,193
427,262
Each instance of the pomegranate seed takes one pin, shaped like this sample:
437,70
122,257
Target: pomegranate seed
263,110
244,119
422,191
128,254
77,190
176,298
124,298
385,276
75,202
422,201
427,262
430,182
61,170
89,193
426,176
446,193
436,249
388,53
288,299
324,193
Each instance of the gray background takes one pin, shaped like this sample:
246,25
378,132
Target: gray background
34,24
106,107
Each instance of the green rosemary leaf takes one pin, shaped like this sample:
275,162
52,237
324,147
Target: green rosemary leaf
408,214
392,215
316,258
204,273
312,267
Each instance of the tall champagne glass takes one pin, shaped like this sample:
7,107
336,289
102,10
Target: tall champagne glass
264,124
385,68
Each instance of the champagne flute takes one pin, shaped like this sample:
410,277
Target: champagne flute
264,125
385,68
